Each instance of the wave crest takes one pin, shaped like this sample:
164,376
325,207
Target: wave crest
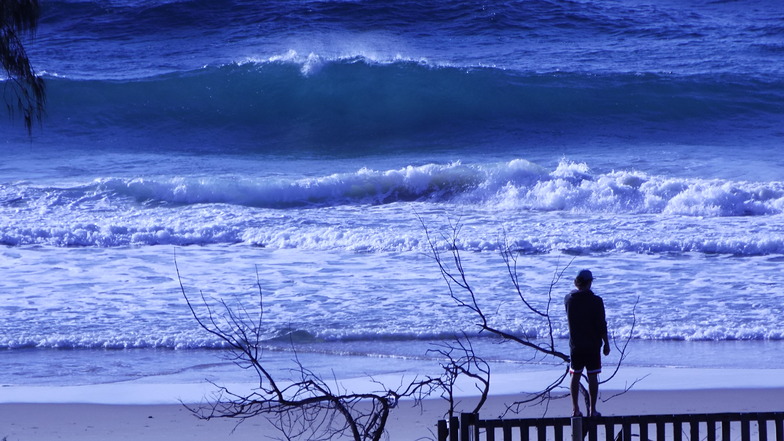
311,100
668,214
517,184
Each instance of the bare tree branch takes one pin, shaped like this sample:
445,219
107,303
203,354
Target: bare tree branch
461,361
306,407
464,295
456,276
622,347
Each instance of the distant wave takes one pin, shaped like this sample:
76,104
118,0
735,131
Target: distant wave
316,100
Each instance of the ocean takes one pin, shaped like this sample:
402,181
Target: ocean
302,148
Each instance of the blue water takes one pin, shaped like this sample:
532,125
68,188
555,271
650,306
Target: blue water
306,140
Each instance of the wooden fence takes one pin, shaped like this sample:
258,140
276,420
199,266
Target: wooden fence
699,427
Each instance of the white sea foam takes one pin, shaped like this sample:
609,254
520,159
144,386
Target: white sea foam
570,187
82,298
374,210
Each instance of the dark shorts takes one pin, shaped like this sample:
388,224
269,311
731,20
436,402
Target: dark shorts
590,360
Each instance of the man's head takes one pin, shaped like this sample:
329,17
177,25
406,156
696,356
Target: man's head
584,279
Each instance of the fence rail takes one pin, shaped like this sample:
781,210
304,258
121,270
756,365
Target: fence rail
762,426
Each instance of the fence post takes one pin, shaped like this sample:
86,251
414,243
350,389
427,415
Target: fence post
454,427
694,427
467,423
443,430
577,428
779,423
745,429
507,431
643,430
626,429
762,427
725,428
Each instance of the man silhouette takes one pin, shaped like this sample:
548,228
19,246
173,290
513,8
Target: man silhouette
587,332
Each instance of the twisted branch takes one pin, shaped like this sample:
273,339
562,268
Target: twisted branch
463,294
308,408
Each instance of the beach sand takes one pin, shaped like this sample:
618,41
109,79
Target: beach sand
170,422
153,412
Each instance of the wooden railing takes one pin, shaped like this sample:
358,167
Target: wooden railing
693,427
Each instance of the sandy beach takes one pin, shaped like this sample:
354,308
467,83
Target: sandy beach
87,422
94,413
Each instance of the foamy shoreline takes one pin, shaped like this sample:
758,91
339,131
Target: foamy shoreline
132,411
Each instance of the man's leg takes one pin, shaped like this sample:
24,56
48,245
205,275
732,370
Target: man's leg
575,391
593,392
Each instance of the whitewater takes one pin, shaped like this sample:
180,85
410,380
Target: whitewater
304,148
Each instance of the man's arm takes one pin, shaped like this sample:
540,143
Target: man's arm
603,328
